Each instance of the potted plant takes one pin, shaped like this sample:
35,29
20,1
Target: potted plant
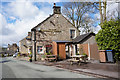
2,55
30,56
18,54
77,54
8,55
85,55
43,57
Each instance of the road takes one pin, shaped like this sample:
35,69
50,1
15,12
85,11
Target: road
12,68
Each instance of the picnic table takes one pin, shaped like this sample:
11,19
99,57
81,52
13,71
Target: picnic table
78,59
51,57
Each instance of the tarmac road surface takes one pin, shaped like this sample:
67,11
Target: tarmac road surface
12,68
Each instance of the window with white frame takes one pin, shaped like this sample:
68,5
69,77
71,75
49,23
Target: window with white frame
72,33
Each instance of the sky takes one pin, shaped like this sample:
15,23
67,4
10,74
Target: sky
17,17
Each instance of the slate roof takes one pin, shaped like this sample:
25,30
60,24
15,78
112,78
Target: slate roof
26,38
8,52
61,41
80,38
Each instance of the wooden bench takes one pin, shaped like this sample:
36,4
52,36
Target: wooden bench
77,59
51,57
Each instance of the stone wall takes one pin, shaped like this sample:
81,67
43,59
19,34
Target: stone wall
90,40
57,27
12,47
23,49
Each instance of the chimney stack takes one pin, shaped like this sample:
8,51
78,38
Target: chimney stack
54,4
29,33
56,9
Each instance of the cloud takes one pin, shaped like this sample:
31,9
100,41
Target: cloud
27,16
3,21
12,18
96,29
97,16
22,9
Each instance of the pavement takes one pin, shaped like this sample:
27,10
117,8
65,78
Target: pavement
102,70
13,68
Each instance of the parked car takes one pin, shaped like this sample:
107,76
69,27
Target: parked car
15,55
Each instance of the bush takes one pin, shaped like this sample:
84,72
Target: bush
18,54
30,54
49,53
85,54
8,55
77,54
43,56
117,57
2,55
108,38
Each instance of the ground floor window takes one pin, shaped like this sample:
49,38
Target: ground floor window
48,48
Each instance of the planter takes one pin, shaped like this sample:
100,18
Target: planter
42,59
30,59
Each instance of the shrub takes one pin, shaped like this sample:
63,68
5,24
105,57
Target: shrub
2,55
77,54
85,54
49,53
108,38
8,55
117,57
43,56
18,54
30,54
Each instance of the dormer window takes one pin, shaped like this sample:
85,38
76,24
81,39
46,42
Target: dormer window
72,33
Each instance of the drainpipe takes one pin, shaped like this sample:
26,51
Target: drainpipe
89,51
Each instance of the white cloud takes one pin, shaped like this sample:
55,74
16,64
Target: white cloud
96,29
97,16
28,16
2,21
37,0
12,18
22,9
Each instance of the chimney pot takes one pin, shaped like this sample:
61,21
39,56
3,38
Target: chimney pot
29,33
54,4
56,9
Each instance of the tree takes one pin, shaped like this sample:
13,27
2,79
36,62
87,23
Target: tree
76,12
87,25
109,36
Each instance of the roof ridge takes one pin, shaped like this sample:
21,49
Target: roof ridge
82,37
42,22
